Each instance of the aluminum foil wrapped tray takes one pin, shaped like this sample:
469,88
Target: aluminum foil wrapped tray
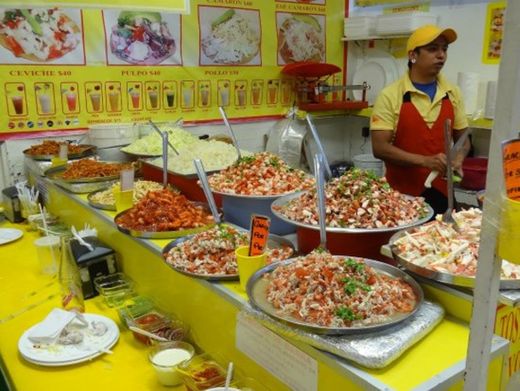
371,350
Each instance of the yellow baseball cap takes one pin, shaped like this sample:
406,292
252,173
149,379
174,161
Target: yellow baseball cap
428,33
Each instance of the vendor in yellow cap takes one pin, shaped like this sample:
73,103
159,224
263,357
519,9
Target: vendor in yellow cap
407,122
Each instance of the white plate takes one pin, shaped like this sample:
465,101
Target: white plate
8,235
59,355
379,70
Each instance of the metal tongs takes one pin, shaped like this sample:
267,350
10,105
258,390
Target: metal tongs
199,167
447,217
154,127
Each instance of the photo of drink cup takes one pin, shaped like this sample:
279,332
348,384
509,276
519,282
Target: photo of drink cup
286,93
72,99
204,93
204,97
241,97
256,93
113,100
153,98
18,103
45,103
187,95
95,100
170,98
224,96
272,92
135,97
44,95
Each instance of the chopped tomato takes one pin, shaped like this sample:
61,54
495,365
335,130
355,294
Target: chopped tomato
54,52
11,24
329,274
138,33
14,46
60,36
300,272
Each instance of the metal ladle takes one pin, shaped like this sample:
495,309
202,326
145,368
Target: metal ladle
201,173
230,130
320,190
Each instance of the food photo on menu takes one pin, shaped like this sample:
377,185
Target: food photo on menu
41,35
229,36
320,2
300,38
142,38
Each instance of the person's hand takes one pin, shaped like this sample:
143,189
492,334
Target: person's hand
456,162
435,162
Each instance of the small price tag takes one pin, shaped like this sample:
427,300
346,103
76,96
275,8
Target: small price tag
259,234
64,151
511,163
127,180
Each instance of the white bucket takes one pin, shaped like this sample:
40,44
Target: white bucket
109,135
369,162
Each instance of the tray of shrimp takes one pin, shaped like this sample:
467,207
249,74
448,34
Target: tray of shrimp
333,295
164,214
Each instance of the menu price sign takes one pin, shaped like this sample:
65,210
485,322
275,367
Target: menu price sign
511,163
259,234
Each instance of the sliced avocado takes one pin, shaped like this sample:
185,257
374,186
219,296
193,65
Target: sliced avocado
131,15
309,20
223,18
33,22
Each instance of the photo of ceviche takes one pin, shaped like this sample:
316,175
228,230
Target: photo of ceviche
41,35
357,199
336,291
164,210
300,38
261,174
229,36
439,247
212,252
142,38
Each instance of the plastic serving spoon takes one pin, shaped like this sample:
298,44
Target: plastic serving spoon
201,173
314,132
230,130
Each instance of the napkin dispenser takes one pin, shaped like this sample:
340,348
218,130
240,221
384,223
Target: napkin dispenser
12,206
91,264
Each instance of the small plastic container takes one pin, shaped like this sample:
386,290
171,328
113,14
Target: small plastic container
135,307
166,357
115,288
159,324
202,373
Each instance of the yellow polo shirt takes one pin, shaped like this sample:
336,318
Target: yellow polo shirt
387,106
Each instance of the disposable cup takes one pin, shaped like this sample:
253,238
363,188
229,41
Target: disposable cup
166,357
248,265
48,251
509,233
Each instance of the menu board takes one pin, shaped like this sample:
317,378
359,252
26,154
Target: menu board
69,68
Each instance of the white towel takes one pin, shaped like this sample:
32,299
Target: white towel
51,327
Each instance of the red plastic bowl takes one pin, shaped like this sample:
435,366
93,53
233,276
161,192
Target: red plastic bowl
475,171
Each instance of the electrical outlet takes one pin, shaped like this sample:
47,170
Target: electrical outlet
365,131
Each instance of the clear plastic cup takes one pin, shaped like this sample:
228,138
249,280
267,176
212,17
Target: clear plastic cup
48,250
166,357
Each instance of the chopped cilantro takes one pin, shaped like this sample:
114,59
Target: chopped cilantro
346,313
245,160
351,263
274,161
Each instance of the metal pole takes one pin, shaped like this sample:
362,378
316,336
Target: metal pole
506,126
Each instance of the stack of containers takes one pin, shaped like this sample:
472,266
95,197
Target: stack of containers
359,27
403,23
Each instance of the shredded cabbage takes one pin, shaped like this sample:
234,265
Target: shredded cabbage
215,155
151,144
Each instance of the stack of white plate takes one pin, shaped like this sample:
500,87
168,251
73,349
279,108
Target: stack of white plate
60,355
405,23
378,69
360,27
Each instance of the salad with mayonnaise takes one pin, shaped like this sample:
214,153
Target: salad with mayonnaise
38,34
231,40
141,38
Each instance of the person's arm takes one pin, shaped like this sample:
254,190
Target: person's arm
383,149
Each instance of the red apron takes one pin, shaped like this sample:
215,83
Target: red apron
413,135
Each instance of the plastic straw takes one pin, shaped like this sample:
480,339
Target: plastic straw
44,219
229,375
